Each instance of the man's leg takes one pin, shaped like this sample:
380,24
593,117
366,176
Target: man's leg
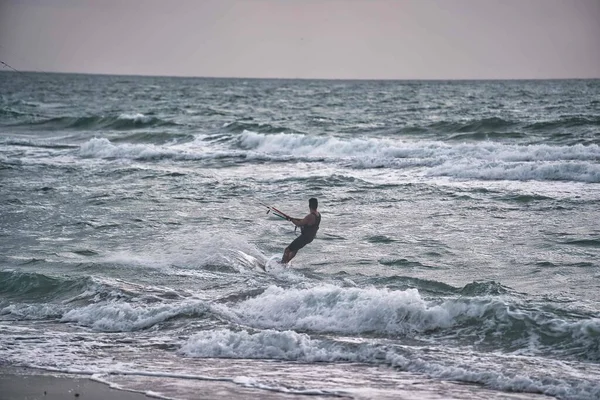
293,248
292,255
288,255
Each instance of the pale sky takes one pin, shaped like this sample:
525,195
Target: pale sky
331,39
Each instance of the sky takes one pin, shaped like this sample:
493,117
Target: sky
327,39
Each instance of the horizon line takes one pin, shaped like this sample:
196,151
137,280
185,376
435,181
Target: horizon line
290,79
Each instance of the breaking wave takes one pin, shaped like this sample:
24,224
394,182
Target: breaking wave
489,320
492,161
292,346
481,312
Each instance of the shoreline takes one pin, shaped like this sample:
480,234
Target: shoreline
19,384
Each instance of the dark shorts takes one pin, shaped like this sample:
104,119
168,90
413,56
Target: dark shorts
300,242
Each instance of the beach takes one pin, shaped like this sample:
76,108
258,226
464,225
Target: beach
23,385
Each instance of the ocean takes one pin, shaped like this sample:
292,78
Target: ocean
458,254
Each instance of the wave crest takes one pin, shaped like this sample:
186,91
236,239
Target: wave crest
480,317
97,122
492,161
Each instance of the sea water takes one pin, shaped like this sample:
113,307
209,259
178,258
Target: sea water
458,254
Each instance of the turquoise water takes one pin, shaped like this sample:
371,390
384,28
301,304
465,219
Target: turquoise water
459,240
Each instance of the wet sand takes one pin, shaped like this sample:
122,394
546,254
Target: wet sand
45,387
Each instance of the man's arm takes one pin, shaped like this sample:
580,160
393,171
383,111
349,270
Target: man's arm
308,220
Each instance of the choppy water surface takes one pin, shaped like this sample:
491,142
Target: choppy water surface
459,241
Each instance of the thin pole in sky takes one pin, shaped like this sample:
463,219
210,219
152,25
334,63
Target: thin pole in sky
5,64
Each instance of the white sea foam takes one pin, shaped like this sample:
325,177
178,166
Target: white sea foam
33,311
137,117
501,170
103,148
351,310
193,251
119,317
271,344
486,161
388,148
464,160
330,308
515,373
59,353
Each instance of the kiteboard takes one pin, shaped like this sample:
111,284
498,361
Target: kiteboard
273,263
